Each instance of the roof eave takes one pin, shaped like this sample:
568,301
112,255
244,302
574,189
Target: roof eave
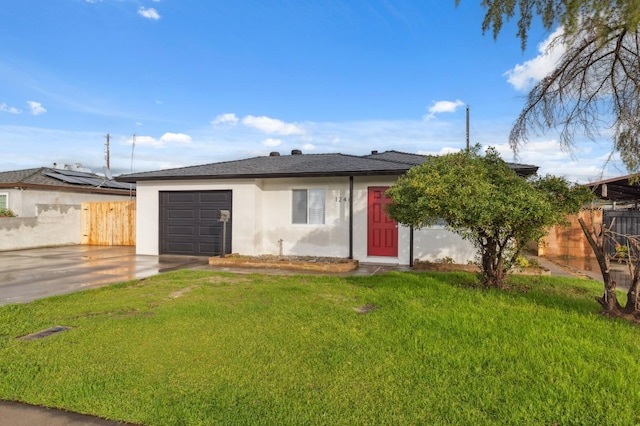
266,175
86,190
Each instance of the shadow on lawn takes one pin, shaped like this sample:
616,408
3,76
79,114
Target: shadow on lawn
566,294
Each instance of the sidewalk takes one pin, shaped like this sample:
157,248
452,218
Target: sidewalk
17,414
559,268
587,268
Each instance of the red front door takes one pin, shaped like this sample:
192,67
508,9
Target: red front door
382,232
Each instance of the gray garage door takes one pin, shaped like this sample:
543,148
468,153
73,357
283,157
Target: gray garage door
189,222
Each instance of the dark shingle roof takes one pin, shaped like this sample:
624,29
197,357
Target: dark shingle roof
300,165
50,178
399,157
417,159
26,176
310,165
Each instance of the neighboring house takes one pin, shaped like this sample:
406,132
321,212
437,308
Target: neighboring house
47,202
298,204
617,209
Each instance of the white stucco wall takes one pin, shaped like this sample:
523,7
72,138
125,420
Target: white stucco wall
24,202
246,230
261,214
54,225
328,239
45,218
436,243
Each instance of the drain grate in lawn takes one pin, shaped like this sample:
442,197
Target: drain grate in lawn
44,333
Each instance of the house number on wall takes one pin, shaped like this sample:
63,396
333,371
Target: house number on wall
342,199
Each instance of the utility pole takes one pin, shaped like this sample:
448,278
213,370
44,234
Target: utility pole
467,128
133,146
108,155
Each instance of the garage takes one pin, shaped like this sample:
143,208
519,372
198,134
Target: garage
189,222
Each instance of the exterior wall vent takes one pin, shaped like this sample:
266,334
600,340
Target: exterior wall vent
296,152
274,154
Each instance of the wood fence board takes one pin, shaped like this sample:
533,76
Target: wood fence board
111,223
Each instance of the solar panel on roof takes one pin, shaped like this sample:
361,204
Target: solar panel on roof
74,173
67,179
117,185
85,179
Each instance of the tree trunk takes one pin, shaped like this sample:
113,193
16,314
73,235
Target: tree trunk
492,273
632,295
609,300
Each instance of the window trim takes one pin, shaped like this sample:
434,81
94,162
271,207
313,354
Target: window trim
309,215
6,195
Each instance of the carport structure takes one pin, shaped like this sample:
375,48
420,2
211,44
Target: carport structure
622,217
620,189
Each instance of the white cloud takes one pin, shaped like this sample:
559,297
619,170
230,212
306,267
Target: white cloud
36,108
10,110
229,118
209,144
179,138
524,76
149,13
166,139
272,125
443,151
147,141
443,106
272,142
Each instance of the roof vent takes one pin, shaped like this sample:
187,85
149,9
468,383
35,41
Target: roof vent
296,152
374,152
274,154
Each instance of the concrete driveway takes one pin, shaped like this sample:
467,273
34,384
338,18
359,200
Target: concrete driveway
28,275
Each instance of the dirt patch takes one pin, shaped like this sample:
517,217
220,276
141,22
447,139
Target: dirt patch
632,318
301,263
365,309
182,291
218,279
422,265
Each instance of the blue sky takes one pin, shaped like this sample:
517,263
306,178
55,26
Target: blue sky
202,81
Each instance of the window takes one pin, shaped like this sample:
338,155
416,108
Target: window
308,206
4,201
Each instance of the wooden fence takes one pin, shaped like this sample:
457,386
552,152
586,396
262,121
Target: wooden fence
111,223
569,240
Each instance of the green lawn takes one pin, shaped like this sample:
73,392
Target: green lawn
196,347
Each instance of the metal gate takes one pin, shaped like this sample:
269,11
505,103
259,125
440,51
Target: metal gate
625,222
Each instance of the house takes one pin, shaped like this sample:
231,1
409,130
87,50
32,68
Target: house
617,209
298,204
47,203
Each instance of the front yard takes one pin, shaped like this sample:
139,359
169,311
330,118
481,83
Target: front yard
196,347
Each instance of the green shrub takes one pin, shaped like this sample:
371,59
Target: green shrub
4,212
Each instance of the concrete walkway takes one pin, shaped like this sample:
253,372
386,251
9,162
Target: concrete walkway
33,274
16,414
